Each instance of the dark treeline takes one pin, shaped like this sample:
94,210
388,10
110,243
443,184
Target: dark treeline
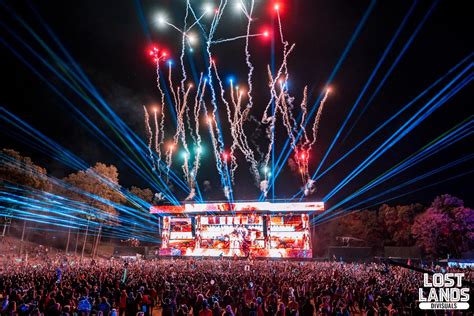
446,227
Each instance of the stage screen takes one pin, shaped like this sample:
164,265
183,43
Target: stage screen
258,235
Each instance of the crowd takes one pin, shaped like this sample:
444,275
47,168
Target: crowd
208,287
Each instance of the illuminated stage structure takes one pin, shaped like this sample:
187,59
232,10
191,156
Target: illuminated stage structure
259,229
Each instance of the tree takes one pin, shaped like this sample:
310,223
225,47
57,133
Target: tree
18,169
144,194
462,222
398,221
102,181
463,228
446,227
431,231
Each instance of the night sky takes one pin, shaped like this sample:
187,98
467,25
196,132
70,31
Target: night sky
110,41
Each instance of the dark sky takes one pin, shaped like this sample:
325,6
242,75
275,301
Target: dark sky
109,41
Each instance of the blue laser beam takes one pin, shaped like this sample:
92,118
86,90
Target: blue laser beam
392,67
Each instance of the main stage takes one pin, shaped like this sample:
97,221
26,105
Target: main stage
259,229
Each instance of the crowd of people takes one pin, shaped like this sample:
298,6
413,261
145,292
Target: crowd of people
206,287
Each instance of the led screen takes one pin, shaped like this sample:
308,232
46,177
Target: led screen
239,235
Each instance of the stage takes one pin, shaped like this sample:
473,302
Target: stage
257,229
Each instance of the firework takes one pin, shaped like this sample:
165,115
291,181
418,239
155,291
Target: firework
212,100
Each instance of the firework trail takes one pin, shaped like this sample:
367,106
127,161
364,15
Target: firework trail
198,100
254,137
215,144
226,40
226,103
239,139
242,116
247,55
318,118
233,147
271,119
148,130
235,144
169,159
245,148
272,83
170,81
285,48
149,134
237,108
218,143
302,151
183,46
162,121
304,111
286,101
241,142
182,135
171,147
157,129
157,144
188,119
282,106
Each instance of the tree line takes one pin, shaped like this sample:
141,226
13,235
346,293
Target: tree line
100,181
446,227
